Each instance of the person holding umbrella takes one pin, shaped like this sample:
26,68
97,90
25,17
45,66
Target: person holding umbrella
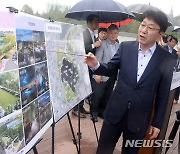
145,76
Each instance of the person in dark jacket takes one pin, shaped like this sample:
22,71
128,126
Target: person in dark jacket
145,75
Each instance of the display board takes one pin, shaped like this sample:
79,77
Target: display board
25,106
69,77
42,75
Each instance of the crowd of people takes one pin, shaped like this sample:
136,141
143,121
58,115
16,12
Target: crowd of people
170,43
127,78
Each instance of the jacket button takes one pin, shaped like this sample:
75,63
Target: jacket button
129,105
136,87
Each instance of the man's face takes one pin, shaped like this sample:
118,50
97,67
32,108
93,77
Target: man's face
103,35
94,24
148,32
169,37
113,35
172,43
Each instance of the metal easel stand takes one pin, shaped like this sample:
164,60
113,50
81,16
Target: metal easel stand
92,118
72,131
174,130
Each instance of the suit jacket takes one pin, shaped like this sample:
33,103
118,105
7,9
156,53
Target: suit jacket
174,52
88,41
134,97
104,54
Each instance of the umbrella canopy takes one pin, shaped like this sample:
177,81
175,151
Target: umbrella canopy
139,9
106,10
118,23
176,29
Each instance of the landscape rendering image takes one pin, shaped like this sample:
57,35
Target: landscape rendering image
11,135
8,55
9,92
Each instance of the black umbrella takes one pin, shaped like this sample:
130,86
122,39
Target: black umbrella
139,9
176,29
106,10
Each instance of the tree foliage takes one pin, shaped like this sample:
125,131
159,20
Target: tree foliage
27,9
57,12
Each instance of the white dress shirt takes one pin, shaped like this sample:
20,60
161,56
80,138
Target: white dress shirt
143,59
170,49
113,47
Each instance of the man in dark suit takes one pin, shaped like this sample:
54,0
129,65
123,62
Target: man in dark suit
145,74
90,41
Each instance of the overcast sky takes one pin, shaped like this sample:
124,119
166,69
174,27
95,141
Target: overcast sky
41,5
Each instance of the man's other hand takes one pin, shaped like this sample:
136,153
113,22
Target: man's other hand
154,132
97,44
98,78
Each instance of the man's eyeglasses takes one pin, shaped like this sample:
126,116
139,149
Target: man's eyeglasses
149,28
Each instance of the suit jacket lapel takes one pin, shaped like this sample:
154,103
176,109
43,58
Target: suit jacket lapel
117,46
89,36
133,60
154,61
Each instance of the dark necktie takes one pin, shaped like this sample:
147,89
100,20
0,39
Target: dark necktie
94,38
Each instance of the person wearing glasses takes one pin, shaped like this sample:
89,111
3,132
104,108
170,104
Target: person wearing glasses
144,79
102,85
170,46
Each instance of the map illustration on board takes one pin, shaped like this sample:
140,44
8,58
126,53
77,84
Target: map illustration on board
69,77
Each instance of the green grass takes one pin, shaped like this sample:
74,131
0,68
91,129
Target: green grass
7,99
5,140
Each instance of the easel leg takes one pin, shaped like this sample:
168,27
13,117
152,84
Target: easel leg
179,144
79,130
92,118
74,138
34,147
35,150
95,130
174,129
53,125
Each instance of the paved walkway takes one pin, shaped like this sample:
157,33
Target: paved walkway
63,137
